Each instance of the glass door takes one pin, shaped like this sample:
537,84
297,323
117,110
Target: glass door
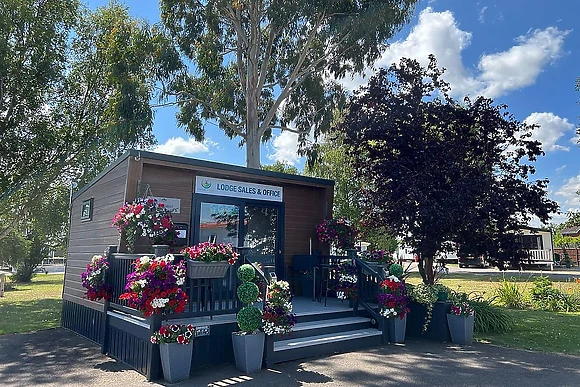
260,232
257,226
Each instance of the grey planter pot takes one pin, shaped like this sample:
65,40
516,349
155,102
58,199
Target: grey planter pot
248,351
160,250
176,361
198,270
397,328
461,328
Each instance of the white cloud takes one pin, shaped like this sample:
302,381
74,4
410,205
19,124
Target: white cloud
520,65
286,147
551,129
439,33
482,14
179,146
569,199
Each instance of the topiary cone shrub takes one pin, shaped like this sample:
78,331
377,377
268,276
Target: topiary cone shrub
249,318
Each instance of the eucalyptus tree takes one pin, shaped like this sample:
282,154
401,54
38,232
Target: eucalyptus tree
261,65
439,170
75,91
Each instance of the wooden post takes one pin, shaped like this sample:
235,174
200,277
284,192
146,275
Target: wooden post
2,282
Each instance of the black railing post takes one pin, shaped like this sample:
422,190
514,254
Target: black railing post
359,281
154,368
105,321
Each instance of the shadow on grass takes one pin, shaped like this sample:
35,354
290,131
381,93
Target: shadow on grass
26,316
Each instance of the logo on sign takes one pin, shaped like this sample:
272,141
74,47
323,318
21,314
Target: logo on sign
206,184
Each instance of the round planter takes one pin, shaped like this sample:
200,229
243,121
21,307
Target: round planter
461,328
248,351
197,270
176,361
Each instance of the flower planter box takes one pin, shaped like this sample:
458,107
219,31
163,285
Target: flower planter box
437,329
198,270
461,328
176,361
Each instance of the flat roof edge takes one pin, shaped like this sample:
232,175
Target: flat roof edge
228,167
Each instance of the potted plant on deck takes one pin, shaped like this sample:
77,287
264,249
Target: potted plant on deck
277,317
393,303
176,349
93,279
153,288
460,320
209,260
249,342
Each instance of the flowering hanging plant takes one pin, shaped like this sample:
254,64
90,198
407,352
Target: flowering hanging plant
339,233
347,279
153,288
277,317
211,252
145,217
378,256
174,333
393,298
93,279
462,309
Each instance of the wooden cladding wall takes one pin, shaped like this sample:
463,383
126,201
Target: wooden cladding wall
91,237
170,183
305,208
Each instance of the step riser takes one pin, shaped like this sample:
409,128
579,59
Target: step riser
323,349
323,316
324,330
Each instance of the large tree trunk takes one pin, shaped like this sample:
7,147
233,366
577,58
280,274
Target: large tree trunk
252,135
426,270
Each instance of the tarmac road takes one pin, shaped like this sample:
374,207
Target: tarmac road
59,358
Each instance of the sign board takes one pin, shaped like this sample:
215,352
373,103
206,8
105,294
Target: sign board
237,189
171,204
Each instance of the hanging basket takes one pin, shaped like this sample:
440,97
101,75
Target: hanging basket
197,270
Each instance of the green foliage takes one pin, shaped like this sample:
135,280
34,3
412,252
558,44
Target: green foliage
510,295
490,318
248,292
281,167
75,93
475,191
261,65
249,319
246,273
545,297
396,270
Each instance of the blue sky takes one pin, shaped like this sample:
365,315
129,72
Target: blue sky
523,53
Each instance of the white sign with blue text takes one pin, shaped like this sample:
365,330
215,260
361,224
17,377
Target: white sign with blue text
237,189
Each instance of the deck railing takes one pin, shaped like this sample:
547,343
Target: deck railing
207,297
544,255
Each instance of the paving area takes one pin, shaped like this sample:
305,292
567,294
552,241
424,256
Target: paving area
60,358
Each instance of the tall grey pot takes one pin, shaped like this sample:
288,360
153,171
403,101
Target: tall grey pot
397,328
176,361
461,328
248,351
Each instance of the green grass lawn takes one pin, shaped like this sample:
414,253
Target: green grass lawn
539,330
33,306
536,330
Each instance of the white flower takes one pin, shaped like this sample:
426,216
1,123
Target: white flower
180,281
96,258
144,259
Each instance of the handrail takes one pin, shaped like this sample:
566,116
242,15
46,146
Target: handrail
368,282
266,277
